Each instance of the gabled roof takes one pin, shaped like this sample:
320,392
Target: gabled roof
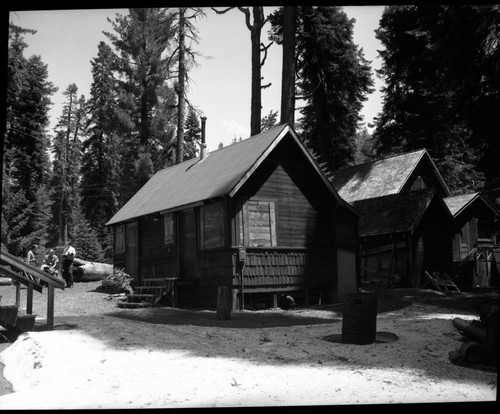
383,177
395,213
219,173
458,204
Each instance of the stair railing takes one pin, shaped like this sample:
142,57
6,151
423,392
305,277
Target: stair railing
31,277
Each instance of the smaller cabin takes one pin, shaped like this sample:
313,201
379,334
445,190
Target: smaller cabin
258,216
405,226
398,174
399,238
476,252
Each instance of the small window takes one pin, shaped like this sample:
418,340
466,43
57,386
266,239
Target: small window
168,229
418,184
212,226
258,224
119,239
484,230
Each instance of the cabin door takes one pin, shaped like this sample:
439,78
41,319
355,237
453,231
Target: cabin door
346,273
187,244
132,251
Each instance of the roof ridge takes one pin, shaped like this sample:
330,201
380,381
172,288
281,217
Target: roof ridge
260,134
380,160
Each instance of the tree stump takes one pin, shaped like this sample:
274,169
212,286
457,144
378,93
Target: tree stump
224,302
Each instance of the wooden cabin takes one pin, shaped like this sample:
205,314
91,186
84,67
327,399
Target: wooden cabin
258,216
399,174
398,248
399,238
476,252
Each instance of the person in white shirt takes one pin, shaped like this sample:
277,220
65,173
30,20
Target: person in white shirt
68,256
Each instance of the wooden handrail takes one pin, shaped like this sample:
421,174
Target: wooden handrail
26,267
52,282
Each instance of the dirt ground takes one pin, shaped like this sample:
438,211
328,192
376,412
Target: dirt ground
102,356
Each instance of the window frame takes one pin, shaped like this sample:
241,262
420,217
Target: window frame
221,230
244,225
169,231
119,244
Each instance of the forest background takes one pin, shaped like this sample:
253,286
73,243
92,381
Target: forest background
440,66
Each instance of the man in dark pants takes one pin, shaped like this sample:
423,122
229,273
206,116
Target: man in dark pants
68,256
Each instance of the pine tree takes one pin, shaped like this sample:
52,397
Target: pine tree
255,21
192,136
85,239
100,171
443,90
333,79
67,160
25,167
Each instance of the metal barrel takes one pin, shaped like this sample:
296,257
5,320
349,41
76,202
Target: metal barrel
359,321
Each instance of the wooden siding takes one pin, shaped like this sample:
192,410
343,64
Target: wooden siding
287,267
298,223
424,176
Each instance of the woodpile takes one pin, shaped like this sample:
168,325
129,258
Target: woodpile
85,271
480,347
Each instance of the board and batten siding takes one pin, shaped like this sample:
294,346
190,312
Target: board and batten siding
281,203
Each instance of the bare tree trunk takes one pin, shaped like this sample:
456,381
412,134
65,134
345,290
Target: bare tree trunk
256,100
288,69
179,157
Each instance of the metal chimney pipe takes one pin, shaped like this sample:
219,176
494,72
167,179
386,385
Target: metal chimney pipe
203,145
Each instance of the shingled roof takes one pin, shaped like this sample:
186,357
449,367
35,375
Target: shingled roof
381,178
219,173
395,213
457,204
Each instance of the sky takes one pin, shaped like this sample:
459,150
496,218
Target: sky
67,42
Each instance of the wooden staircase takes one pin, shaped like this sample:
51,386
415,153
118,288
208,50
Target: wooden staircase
34,279
13,319
152,292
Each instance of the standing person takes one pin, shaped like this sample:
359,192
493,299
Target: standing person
68,255
30,257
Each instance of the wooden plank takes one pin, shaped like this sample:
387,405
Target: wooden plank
224,302
50,307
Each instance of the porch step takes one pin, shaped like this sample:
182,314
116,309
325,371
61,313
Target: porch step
153,290
141,297
11,319
25,323
8,315
153,282
134,305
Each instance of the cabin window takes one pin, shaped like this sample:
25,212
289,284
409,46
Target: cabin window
258,223
168,229
484,230
212,226
418,184
120,239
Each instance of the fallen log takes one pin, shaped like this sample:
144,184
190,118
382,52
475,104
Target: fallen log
85,271
470,330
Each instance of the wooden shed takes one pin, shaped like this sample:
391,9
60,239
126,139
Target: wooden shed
258,216
404,234
476,252
398,174
405,227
